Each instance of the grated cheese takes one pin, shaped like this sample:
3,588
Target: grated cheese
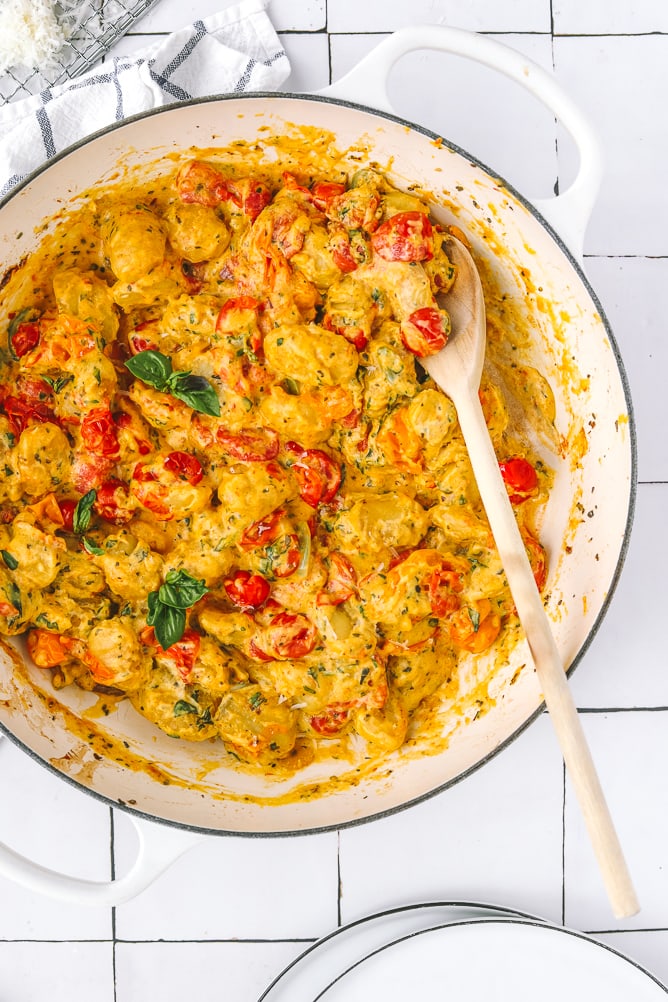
30,34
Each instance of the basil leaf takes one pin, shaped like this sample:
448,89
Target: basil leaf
82,512
181,590
151,367
9,559
168,624
196,391
182,706
155,369
90,547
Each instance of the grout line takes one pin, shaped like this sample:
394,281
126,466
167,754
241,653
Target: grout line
556,122
563,844
233,940
113,909
339,888
632,257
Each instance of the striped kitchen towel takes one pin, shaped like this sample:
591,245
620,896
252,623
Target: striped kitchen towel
233,51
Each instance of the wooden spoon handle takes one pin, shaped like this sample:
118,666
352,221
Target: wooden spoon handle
549,666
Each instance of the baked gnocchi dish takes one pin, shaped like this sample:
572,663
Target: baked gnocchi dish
231,494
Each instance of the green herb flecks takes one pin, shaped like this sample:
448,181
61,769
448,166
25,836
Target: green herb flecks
9,560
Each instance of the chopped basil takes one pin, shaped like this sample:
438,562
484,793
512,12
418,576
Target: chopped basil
155,369
256,700
9,560
183,706
91,547
58,383
43,620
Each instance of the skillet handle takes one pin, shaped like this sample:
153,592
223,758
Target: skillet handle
569,212
159,847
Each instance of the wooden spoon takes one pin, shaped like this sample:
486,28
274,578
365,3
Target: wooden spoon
457,369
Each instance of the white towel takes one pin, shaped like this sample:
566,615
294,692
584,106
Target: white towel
234,51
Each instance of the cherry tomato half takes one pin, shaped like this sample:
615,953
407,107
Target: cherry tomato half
289,635
333,719
248,194
25,338
322,192
537,558
48,649
252,446
264,531
317,474
182,655
406,236
341,581
246,590
21,413
112,502
444,584
520,478
98,433
426,331
67,506
184,466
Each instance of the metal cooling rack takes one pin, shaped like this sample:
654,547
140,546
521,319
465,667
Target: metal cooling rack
99,24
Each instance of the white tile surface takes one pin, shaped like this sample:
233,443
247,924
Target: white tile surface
309,61
573,17
496,837
225,920
207,972
632,211
630,749
59,972
484,15
235,888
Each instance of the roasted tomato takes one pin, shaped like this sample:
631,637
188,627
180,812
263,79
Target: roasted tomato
25,337
48,649
322,193
341,581
264,531
406,236
184,466
537,558
98,433
318,475
332,720
426,331
253,446
199,182
246,590
520,478
170,486
444,585
113,502
67,506
288,636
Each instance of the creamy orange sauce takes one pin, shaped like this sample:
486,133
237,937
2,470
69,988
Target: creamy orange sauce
419,466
